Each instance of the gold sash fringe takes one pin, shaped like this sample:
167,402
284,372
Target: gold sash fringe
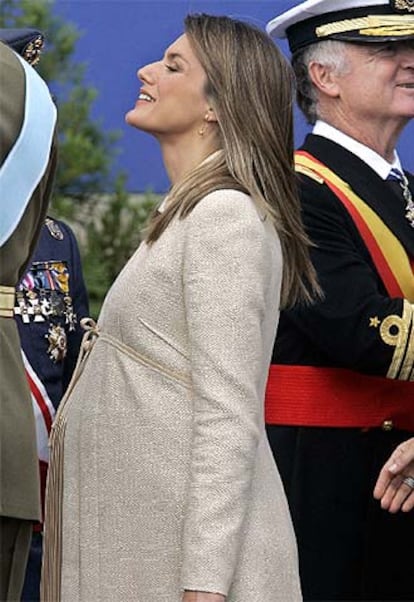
50,589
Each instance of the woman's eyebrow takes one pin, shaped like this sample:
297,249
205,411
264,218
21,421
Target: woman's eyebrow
172,56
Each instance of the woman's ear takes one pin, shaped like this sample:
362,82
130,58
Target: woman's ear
210,115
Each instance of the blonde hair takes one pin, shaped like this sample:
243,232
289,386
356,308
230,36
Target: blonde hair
250,88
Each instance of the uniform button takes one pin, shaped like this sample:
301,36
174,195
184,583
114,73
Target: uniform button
387,425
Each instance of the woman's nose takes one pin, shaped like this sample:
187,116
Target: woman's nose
147,73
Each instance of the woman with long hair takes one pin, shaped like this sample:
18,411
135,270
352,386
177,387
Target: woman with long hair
162,485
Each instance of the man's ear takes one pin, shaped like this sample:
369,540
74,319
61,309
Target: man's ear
324,79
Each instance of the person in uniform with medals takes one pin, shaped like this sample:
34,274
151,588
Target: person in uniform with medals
51,300
27,167
340,395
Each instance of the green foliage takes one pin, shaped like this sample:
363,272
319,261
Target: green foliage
109,222
114,233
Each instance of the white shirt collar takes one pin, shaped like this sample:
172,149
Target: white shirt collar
370,157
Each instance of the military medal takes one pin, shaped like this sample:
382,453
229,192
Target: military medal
36,306
57,340
45,305
70,315
57,305
409,209
22,309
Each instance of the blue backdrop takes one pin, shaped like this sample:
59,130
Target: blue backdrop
118,36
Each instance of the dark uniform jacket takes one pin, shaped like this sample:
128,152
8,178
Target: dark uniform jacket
51,336
51,299
339,331
349,549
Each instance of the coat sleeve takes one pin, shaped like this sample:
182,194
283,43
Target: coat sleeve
227,274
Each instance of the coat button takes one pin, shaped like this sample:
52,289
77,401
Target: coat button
387,425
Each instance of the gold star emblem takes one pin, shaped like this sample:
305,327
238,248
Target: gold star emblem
374,322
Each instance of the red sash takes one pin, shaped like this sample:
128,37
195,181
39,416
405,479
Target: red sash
44,413
318,396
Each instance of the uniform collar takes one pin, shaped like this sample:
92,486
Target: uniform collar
370,157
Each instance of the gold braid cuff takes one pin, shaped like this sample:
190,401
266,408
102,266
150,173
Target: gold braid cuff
7,294
398,332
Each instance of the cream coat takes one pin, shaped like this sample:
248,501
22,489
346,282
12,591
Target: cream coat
169,482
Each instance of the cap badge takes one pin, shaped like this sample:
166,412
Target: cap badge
33,50
403,5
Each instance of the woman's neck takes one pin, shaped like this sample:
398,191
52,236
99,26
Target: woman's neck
180,159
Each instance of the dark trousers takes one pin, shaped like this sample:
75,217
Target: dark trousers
349,548
15,535
31,587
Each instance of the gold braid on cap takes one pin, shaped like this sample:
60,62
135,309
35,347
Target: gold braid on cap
33,50
372,25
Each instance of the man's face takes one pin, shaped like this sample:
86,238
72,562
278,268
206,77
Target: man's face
378,86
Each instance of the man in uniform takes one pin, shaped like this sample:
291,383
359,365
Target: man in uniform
340,395
51,299
27,166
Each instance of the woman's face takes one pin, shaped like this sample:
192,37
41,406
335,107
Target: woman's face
172,100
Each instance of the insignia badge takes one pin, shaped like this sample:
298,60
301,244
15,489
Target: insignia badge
403,5
374,322
33,50
57,340
54,228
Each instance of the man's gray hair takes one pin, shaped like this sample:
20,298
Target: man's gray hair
330,53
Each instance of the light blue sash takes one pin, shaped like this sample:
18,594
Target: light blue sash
26,163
